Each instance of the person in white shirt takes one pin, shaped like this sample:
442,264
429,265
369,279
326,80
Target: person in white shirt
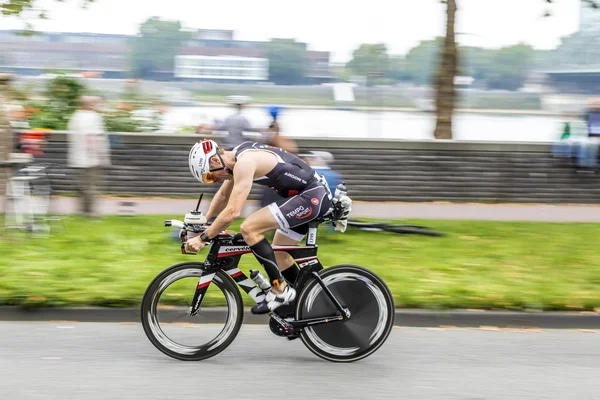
88,151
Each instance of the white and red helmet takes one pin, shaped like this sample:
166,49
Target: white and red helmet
199,160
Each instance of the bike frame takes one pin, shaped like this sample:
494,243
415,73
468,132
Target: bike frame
225,254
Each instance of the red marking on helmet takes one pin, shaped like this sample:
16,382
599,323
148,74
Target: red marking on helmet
206,146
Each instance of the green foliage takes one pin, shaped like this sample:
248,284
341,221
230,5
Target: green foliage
61,101
155,47
28,8
288,63
126,120
370,58
576,50
505,68
62,94
510,66
422,61
134,113
398,69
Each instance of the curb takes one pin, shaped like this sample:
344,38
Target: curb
405,317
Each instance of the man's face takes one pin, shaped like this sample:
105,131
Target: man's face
217,176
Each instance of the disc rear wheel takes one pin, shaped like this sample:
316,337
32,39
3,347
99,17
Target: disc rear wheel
371,308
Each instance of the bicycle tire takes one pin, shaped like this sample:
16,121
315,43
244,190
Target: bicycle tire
235,314
338,341
18,212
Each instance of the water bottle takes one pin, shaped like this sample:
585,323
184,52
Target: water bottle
340,193
340,190
260,280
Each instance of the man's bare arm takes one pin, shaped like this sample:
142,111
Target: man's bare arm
219,202
243,176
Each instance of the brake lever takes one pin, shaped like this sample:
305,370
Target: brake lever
185,252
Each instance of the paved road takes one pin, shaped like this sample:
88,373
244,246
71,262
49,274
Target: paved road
385,210
64,360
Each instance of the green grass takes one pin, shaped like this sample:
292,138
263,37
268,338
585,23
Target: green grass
483,265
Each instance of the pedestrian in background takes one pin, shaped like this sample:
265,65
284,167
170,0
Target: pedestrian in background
89,152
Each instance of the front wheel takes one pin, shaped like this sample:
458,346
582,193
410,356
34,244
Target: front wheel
371,307
166,318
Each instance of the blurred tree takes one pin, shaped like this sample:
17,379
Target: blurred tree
445,93
22,9
28,8
510,67
591,3
576,50
288,62
448,68
398,69
421,61
61,100
155,47
370,58
475,62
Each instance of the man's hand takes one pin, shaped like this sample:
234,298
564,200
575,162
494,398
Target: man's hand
195,244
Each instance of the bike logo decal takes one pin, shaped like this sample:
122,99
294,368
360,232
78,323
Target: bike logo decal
227,251
307,212
307,263
294,177
230,249
311,238
296,211
314,200
280,219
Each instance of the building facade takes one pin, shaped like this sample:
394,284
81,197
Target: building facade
210,55
220,67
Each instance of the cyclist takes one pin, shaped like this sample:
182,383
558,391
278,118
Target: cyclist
305,197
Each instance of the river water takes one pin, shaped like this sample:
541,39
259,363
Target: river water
333,123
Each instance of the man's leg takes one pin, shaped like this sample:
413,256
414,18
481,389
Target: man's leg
286,263
80,177
94,174
253,229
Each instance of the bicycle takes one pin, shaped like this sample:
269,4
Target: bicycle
27,196
342,313
28,189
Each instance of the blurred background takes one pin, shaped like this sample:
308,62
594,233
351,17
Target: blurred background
470,102
357,72
466,132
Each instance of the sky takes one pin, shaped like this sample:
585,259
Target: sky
328,25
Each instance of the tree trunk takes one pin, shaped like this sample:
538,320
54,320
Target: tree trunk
5,145
6,134
444,98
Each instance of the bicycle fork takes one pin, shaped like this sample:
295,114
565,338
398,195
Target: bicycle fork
203,282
